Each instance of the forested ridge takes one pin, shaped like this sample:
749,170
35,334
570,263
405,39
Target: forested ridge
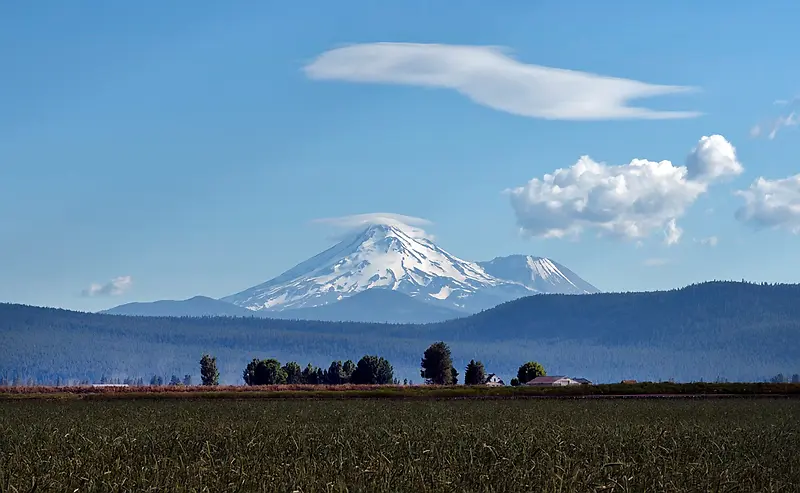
732,330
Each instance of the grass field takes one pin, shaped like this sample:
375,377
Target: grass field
399,445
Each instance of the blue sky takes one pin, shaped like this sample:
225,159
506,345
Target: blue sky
186,148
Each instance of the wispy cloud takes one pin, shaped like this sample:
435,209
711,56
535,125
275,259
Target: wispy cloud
114,287
672,233
772,126
489,76
655,262
630,201
710,241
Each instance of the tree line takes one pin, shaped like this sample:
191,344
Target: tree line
436,369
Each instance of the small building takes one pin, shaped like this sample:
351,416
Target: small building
494,381
583,381
554,381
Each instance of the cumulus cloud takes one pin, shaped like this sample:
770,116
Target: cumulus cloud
629,201
114,287
711,159
772,204
488,76
788,118
347,224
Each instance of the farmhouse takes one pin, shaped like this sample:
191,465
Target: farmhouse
554,381
583,381
494,381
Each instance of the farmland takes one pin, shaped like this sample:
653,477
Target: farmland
399,445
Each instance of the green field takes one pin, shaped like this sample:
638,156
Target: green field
400,445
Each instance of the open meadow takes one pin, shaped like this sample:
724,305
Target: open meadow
321,445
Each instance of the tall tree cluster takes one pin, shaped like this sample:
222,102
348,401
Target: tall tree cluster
369,370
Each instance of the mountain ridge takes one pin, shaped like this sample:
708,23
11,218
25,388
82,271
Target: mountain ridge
399,258
393,257
734,330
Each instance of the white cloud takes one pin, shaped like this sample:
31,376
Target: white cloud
772,204
347,224
710,241
488,76
114,287
672,234
784,102
630,201
655,262
772,126
713,158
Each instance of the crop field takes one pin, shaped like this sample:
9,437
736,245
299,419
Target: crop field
400,391
536,445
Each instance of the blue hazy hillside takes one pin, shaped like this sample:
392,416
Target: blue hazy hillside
738,331
372,305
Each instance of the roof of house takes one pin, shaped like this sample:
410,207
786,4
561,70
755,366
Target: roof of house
550,379
582,380
492,375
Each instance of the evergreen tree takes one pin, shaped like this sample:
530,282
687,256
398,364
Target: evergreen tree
454,374
335,375
309,376
475,374
796,378
437,365
347,371
174,380
269,372
208,370
187,380
373,370
249,373
264,372
529,371
293,373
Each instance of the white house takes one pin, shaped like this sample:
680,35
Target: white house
554,381
493,381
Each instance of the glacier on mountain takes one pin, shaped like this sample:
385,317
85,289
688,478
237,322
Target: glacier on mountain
403,258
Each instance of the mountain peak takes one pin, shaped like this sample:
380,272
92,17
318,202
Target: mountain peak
539,273
386,255
395,256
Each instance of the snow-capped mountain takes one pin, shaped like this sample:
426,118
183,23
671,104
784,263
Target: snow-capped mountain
396,257
538,273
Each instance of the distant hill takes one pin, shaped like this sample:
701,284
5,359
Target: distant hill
199,306
735,330
374,305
